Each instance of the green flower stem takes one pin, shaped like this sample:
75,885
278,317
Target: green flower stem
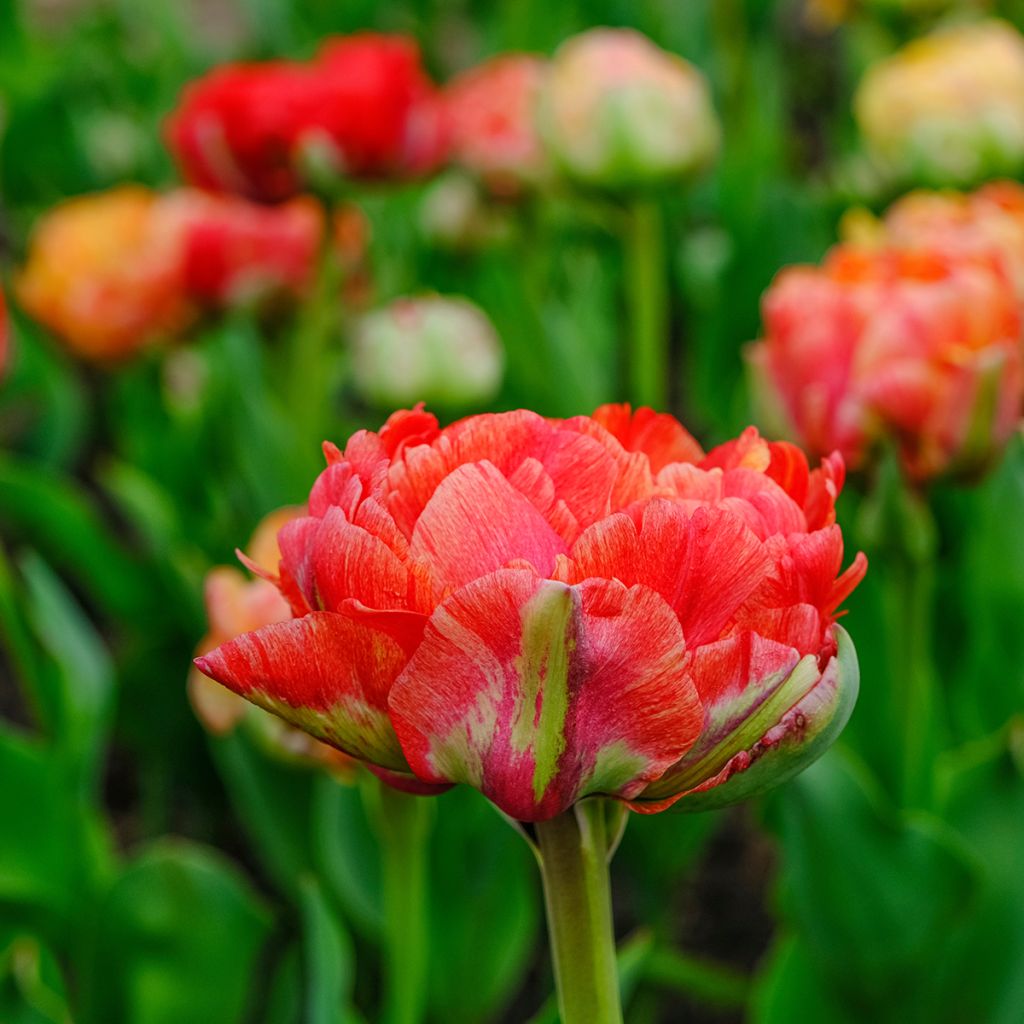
647,299
404,828
910,605
573,852
899,529
309,376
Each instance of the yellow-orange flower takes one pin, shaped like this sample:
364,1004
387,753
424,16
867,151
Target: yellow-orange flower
948,108
105,274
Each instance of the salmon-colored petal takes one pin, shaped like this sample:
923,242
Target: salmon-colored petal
705,563
539,693
661,437
476,522
350,563
322,673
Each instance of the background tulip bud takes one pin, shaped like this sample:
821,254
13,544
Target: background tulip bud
948,108
920,348
430,348
492,115
619,113
105,274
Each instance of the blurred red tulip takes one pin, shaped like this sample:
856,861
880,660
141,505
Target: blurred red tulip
549,609
236,251
917,346
492,112
364,105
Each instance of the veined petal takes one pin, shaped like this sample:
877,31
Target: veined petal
539,693
792,726
323,673
476,522
350,563
661,437
705,563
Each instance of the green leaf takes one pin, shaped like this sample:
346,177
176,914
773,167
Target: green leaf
977,974
329,964
873,892
273,801
347,854
58,519
791,987
79,701
482,871
31,987
51,852
177,938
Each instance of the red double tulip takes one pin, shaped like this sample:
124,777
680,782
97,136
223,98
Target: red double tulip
547,610
921,348
364,105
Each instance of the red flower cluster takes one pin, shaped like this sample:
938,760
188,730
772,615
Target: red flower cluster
364,104
547,610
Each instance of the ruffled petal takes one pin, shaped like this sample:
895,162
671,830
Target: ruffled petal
539,693
705,563
324,674
477,522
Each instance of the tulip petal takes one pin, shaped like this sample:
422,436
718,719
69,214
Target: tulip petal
350,563
539,693
762,736
323,673
476,522
704,563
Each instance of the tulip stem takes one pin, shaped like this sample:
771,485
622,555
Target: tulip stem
404,831
309,378
911,597
647,299
573,853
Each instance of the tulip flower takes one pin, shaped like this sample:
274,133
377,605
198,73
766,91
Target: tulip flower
364,106
552,609
236,604
619,113
429,348
492,117
949,107
986,224
920,349
104,273
237,252
555,610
